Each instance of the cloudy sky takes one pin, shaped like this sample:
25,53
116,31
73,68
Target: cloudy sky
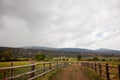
90,24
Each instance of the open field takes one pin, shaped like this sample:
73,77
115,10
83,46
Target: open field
15,63
106,70
17,71
26,69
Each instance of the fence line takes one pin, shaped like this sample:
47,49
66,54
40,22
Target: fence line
42,69
106,71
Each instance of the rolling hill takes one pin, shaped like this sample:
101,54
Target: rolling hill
68,52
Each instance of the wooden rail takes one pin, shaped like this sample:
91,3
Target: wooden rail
108,72
36,70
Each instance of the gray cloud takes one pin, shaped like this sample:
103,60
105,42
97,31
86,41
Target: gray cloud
59,23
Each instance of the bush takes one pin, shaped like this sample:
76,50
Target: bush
103,59
79,57
95,59
40,57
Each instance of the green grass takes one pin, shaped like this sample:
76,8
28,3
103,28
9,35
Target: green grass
18,70
50,75
91,74
15,63
21,70
114,63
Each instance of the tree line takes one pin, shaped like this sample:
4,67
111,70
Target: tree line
5,55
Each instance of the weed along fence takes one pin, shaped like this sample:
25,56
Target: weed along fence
106,71
29,72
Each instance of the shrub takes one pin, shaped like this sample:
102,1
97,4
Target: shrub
40,57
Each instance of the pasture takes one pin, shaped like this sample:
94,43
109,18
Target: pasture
15,63
39,65
26,70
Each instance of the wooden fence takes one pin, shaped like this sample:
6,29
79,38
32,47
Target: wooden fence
106,71
31,71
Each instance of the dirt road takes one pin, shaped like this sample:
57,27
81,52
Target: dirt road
73,72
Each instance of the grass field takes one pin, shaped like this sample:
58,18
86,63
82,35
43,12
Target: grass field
19,70
91,74
15,63
22,70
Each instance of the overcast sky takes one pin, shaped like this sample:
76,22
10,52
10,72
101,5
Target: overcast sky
90,24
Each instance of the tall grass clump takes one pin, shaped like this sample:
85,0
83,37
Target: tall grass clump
92,75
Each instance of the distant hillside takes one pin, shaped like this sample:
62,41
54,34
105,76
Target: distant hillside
102,50
39,47
58,49
75,49
57,52
107,50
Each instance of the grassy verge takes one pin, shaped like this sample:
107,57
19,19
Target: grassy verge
91,74
50,75
54,73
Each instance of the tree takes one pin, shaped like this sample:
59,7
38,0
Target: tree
49,58
79,57
1,55
40,57
95,59
7,55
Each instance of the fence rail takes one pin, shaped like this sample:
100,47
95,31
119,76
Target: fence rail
106,71
35,70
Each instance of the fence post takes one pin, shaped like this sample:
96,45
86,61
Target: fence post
4,77
92,65
57,64
54,65
61,64
11,71
88,65
32,68
100,69
95,67
64,64
107,71
50,65
119,71
44,67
